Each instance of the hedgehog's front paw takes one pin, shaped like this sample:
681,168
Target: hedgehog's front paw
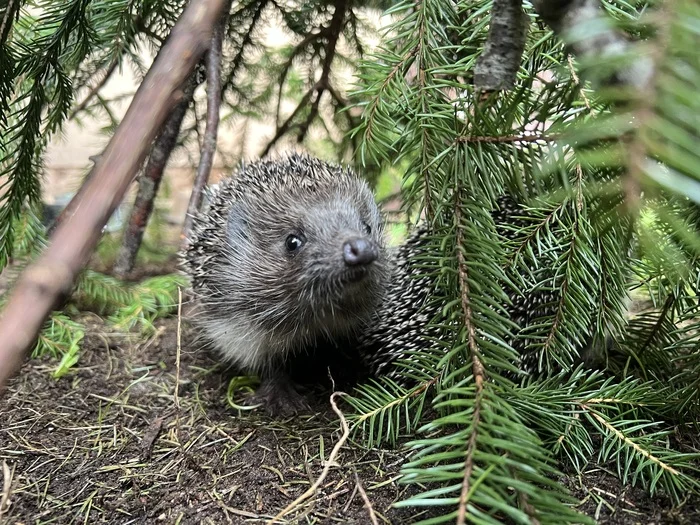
279,397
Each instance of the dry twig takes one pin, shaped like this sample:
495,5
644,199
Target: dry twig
7,476
326,469
368,503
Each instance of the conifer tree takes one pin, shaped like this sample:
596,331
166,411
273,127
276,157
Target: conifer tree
589,137
582,115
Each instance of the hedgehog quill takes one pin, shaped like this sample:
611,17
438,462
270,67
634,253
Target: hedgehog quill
287,260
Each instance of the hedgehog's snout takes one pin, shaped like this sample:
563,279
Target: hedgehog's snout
359,252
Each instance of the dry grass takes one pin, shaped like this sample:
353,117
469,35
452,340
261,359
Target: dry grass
107,444
111,443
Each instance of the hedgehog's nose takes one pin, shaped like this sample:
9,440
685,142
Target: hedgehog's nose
359,251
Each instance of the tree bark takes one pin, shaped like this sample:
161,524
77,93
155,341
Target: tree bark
208,149
43,285
149,182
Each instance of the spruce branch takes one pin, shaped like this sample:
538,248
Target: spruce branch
478,372
49,279
38,107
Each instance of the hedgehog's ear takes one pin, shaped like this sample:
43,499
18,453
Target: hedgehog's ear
237,223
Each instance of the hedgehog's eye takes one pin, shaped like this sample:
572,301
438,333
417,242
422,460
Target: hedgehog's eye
367,227
293,243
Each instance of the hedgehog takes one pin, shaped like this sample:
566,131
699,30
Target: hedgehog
287,260
291,272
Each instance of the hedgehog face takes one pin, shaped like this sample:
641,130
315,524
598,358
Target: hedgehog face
306,262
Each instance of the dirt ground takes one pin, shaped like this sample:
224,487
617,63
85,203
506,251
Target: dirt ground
111,443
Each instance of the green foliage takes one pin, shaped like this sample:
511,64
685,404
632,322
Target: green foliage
605,183
45,50
59,336
149,300
128,306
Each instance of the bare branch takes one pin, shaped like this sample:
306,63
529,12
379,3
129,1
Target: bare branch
334,29
498,65
247,40
211,131
95,89
49,280
288,123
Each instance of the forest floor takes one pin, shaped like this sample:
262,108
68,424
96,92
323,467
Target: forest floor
111,442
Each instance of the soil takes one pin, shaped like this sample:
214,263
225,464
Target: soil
111,442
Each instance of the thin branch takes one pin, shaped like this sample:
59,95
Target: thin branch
534,234
46,282
507,138
210,133
331,461
247,40
368,503
305,42
619,435
288,123
477,366
334,30
379,96
95,89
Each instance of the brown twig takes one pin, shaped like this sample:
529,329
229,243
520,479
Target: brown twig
298,48
287,123
477,366
368,503
43,284
326,469
335,28
208,150
149,182
7,476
